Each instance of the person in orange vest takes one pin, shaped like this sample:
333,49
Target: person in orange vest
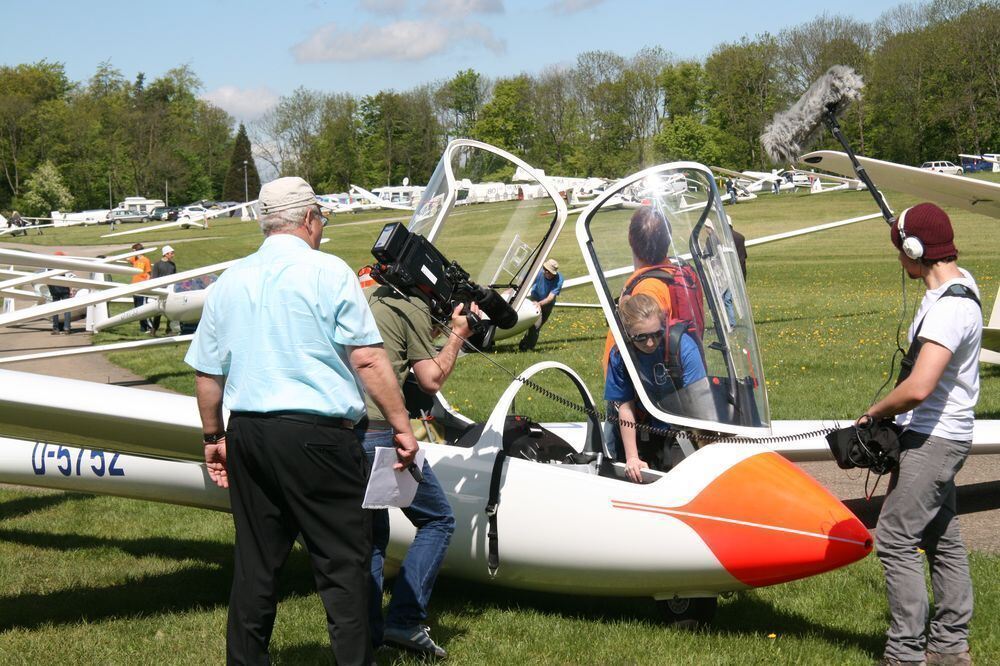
140,262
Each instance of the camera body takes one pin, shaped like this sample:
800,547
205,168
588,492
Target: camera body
411,263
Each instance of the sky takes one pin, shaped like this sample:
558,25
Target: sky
249,53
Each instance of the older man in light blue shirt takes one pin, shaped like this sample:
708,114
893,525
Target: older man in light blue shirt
286,342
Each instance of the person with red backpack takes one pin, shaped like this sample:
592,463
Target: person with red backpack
674,285
663,375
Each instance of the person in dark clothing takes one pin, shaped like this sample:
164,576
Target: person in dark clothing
162,268
741,246
61,323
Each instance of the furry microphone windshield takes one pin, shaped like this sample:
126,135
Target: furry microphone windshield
791,130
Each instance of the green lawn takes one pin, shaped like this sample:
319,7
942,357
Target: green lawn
96,580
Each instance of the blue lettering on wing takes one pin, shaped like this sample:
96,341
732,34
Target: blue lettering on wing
99,465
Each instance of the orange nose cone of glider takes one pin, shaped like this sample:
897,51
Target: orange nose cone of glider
769,522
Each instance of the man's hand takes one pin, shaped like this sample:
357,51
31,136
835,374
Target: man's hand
215,461
460,323
406,449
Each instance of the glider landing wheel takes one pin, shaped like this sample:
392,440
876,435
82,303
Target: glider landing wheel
689,614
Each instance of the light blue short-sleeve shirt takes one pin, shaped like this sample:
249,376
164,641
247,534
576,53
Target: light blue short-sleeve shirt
278,324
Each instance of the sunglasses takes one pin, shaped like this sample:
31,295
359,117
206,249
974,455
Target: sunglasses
644,338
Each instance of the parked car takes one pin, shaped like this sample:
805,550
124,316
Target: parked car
943,167
192,212
159,213
119,215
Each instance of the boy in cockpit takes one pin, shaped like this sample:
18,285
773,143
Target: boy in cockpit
645,327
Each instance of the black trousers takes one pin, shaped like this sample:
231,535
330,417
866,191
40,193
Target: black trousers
289,478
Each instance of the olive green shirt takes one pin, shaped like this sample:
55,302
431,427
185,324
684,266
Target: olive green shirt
406,328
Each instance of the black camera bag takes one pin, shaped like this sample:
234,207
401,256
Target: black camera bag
874,445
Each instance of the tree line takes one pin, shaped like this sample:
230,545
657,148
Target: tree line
932,75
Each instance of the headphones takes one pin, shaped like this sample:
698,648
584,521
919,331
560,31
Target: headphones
912,246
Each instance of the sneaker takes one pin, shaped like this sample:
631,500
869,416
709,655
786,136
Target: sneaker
56,331
417,639
949,658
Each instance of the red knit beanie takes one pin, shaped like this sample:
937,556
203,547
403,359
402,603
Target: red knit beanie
932,226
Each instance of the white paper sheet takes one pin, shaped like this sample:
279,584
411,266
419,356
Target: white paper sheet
388,487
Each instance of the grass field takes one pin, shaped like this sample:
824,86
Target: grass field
98,580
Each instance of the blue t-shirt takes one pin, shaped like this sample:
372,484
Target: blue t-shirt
618,386
543,286
278,325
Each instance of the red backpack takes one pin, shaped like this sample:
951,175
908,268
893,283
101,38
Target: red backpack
687,305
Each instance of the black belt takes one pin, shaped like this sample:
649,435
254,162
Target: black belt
375,424
301,417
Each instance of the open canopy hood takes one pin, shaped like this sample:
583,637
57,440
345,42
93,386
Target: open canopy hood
475,213
682,199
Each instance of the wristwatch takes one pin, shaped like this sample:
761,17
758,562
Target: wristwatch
213,439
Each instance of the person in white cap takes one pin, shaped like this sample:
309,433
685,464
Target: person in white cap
165,266
547,286
287,343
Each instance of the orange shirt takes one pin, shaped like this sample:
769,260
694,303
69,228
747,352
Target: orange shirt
657,289
142,263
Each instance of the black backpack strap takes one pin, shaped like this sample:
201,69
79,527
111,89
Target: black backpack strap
674,366
657,273
492,505
956,290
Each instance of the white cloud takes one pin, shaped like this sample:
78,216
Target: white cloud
572,6
246,104
460,8
383,6
400,40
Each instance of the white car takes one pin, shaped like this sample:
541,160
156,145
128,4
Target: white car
192,212
943,167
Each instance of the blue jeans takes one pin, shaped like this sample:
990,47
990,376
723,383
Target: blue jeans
431,514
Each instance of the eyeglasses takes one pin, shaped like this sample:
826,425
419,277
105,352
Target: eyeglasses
319,213
645,338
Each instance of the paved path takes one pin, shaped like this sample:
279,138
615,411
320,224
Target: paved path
978,497
34,337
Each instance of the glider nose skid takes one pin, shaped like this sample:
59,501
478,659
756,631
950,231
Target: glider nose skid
766,520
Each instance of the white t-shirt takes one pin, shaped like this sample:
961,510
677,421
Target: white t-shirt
956,324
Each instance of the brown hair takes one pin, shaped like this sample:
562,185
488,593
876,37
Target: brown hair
638,308
649,235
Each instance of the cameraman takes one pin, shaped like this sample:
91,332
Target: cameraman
407,331
935,405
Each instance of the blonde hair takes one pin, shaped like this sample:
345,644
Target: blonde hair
638,308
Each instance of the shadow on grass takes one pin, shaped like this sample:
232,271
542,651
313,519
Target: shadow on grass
152,379
310,653
24,506
204,583
745,615
972,498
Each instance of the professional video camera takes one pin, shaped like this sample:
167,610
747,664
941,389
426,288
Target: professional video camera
410,263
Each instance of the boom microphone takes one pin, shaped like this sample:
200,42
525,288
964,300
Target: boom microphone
791,130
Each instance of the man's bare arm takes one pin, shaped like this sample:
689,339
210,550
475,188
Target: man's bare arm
373,367
209,390
431,373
